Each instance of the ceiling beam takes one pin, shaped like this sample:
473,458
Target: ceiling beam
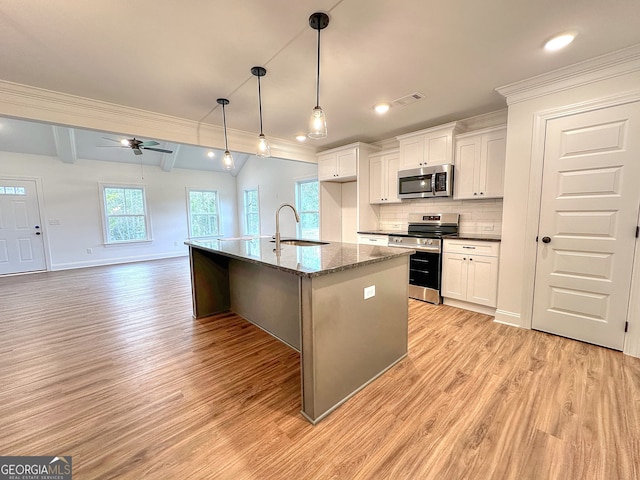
65,140
169,159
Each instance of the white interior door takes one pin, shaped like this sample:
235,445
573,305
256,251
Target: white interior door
21,242
589,207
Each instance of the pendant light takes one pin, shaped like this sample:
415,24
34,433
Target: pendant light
318,123
263,143
227,159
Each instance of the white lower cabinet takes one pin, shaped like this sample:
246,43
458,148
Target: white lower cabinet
371,239
470,271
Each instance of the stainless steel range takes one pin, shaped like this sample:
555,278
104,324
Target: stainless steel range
424,235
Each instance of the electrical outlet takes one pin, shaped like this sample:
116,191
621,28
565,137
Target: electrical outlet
89,250
175,244
488,228
369,292
54,221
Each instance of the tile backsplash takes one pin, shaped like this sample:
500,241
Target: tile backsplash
476,216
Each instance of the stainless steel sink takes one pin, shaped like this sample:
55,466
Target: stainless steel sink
302,243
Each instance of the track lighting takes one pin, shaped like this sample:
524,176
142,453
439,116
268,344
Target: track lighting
227,160
318,123
263,143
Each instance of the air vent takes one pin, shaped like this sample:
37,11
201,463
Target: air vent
407,99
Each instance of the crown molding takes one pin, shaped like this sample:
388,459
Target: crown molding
38,104
606,66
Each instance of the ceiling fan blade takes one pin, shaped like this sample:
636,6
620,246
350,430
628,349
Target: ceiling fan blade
137,151
157,149
149,143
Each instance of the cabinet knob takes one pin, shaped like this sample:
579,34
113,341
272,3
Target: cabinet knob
471,259
481,193
464,258
475,193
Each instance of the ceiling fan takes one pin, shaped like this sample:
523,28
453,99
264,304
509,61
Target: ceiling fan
136,145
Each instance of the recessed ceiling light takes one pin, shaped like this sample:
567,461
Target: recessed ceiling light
559,41
382,108
210,154
301,138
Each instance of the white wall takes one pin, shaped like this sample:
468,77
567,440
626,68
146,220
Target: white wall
71,196
522,189
275,179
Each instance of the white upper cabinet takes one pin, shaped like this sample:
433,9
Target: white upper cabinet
479,164
338,165
383,178
433,146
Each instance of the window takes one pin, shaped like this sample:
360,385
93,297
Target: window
251,212
125,214
308,205
6,190
204,217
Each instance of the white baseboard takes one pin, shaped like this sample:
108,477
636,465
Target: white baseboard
116,261
474,307
508,318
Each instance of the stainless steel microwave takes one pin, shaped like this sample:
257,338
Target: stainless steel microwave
426,182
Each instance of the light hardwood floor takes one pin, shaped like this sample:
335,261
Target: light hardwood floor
107,365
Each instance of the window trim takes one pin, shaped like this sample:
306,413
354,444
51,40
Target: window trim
298,182
245,213
188,191
103,211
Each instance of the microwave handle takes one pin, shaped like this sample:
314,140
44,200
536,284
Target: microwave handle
433,183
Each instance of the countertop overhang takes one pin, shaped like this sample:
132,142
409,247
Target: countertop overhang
307,261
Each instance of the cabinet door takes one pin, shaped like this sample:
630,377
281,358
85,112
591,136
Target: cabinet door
392,162
327,167
438,148
467,167
454,276
412,152
491,175
376,180
346,162
482,283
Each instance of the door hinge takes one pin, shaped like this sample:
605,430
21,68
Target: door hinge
536,238
626,327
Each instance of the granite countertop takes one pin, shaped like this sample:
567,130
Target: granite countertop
383,232
310,261
485,237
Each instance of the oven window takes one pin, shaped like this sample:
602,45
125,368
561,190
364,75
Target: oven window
424,269
419,184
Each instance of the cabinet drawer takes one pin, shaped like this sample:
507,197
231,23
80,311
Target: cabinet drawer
381,240
472,247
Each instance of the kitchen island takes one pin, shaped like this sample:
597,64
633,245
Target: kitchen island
342,306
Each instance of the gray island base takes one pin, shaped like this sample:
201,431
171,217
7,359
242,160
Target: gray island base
313,299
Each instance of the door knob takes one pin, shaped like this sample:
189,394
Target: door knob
37,226
546,239
37,233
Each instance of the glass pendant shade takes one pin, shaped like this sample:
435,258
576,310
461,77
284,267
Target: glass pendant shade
317,124
263,146
227,160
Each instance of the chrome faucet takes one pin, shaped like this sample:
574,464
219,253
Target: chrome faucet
277,235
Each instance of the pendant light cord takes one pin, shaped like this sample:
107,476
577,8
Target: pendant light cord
318,74
224,121
260,104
